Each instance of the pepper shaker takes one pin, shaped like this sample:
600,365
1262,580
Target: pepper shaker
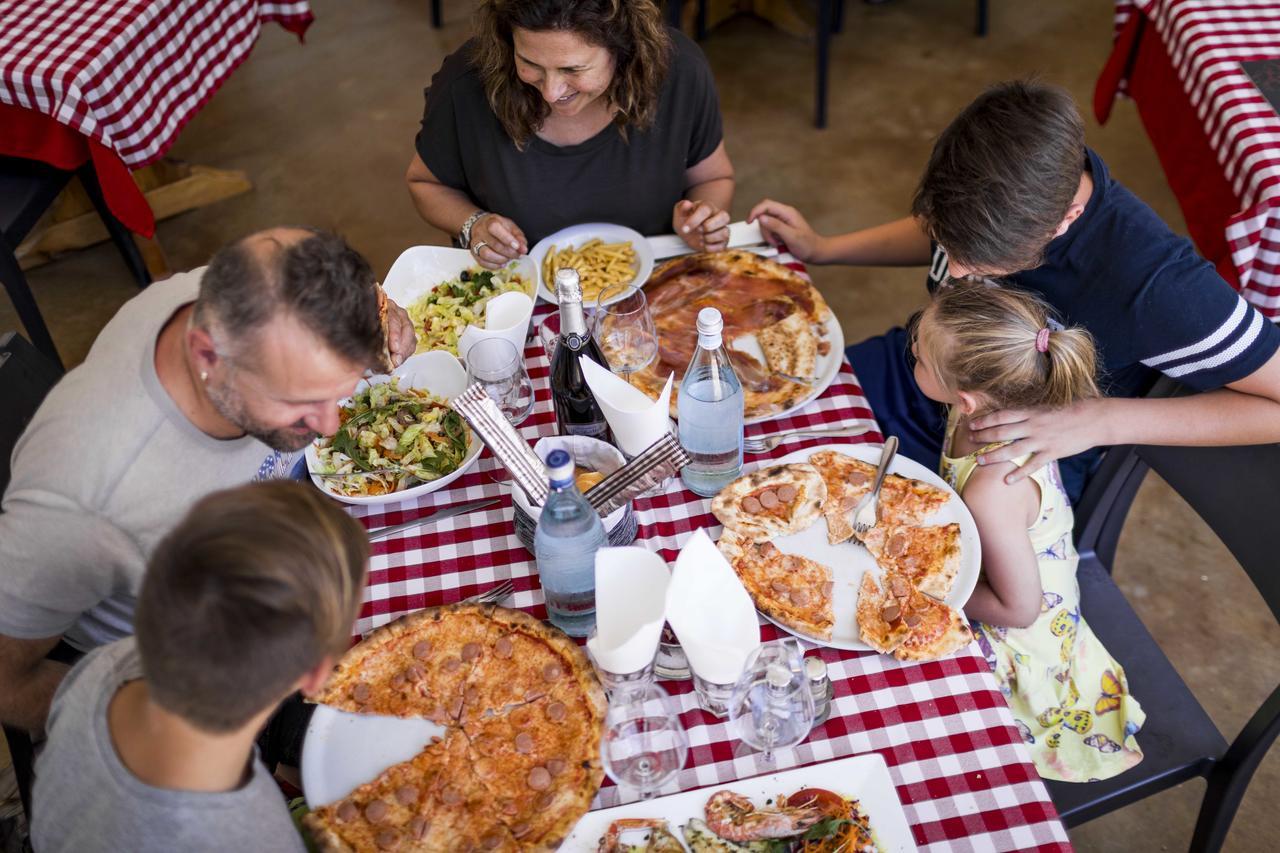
815,670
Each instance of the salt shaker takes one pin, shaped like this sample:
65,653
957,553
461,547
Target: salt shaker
815,670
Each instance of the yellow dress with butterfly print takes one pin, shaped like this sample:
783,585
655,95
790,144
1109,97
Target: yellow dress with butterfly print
1069,697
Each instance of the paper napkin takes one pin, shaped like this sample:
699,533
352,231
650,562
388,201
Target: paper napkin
637,420
631,600
710,612
506,316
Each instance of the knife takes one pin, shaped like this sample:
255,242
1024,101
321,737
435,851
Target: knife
461,509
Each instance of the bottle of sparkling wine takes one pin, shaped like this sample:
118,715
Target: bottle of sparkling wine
577,411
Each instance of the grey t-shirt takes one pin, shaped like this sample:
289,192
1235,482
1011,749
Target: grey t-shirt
106,468
634,181
85,800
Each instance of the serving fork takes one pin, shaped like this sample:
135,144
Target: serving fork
492,595
867,513
764,445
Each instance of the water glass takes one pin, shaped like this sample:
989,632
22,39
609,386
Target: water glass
644,743
713,698
772,704
617,681
624,329
499,368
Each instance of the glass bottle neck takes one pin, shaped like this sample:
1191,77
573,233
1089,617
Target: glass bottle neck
572,320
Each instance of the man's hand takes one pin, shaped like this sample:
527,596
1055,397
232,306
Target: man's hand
1047,434
401,340
701,225
782,223
496,241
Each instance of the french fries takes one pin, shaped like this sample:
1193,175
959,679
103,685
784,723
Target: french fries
599,265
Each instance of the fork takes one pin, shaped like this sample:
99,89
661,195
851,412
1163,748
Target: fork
867,513
764,445
492,595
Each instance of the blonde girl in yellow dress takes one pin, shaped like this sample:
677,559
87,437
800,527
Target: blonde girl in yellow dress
980,348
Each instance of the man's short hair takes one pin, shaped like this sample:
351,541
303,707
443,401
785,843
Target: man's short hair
319,280
1002,176
247,594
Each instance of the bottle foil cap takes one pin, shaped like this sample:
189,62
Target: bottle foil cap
568,286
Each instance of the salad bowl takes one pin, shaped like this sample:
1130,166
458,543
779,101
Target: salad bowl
436,372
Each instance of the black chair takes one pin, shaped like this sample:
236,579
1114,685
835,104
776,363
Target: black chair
437,16
25,379
1236,490
27,188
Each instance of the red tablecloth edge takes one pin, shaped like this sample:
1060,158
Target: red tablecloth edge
1139,64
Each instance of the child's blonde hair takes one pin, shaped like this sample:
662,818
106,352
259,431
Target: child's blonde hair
998,341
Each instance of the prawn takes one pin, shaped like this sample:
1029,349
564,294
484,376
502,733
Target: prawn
660,838
736,818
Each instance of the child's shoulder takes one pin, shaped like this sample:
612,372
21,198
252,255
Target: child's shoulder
988,492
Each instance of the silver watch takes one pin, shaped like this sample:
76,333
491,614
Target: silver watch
464,235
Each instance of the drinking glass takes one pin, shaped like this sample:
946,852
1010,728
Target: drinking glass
497,366
624,329
644,743
612,680
772,706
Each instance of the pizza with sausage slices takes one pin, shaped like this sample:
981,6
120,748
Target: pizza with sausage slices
927,556
903,501
757,298
788,588
519,760
900,620
771,502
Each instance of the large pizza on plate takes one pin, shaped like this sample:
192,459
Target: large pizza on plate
759,299
519,760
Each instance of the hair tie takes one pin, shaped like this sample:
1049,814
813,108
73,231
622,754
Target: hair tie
1042,340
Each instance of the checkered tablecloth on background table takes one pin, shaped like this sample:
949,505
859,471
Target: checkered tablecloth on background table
961,771
1205,41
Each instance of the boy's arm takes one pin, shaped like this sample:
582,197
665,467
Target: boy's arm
900,243
28,681
1008,593
1245,412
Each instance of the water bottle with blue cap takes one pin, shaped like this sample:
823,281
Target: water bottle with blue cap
568,535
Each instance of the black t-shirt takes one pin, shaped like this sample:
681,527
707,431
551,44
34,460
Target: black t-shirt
634,182
1150,301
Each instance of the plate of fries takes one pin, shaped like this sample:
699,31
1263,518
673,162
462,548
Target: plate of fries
603,255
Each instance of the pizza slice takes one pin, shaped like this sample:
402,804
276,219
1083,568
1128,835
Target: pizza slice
531,759
791,589
431,802
771,502
928,556
416,666
847,480
790,346
900,620
907,501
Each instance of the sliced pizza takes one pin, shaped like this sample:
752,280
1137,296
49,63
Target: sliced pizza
898,619
790,347
928,556
416,666
847,480
771,502
907,501
788,588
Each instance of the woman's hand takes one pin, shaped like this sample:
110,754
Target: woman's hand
701,224
496,241
782,224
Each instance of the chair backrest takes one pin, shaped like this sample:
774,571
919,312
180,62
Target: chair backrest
26,376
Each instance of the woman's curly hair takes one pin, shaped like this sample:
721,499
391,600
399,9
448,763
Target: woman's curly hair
631,30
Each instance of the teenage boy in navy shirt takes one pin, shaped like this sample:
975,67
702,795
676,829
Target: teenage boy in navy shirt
1011,192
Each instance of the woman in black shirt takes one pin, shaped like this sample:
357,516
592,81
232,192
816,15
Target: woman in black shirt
569,111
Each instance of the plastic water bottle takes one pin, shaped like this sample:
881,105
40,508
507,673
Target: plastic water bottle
568,535
710,409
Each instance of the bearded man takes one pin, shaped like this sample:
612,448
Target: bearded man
213,378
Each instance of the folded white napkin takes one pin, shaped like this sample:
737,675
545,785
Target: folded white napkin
637,420
673,245
506,316
631,600
710,612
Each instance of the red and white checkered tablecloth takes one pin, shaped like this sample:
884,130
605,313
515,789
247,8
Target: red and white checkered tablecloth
1206,41
129,73
961,771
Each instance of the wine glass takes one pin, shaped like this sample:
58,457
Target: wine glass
497,366
624,329
644,743
772,706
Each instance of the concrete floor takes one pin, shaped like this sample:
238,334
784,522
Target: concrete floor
325,131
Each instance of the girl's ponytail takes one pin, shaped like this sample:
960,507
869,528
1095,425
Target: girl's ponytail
1071,375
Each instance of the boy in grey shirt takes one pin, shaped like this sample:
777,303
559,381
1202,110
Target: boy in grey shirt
151,740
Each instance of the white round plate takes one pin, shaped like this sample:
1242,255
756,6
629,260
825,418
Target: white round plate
575,236
849,560
342,751
421,269
441,374
827,368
